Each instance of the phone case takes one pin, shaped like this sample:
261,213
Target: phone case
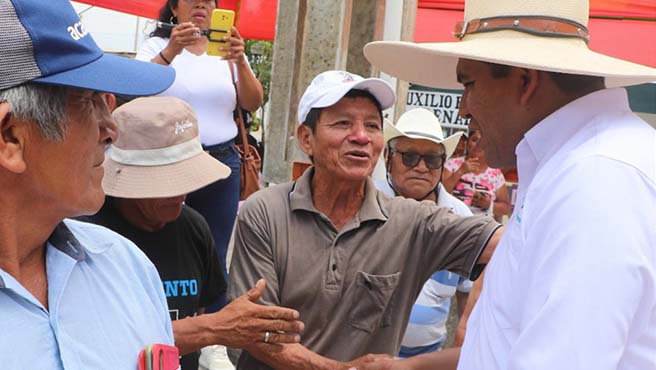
220,26
159,357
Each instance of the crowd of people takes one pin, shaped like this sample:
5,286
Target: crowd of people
117,214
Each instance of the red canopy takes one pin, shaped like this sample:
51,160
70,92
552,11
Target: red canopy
256,19
621,28
631,39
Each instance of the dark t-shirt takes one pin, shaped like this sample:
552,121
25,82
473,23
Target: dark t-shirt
184,255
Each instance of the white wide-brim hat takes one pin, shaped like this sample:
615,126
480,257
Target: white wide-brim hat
327,88
420,123
510,43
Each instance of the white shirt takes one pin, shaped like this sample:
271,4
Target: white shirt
205,83
572,284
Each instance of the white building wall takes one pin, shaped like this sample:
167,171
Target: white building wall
113,31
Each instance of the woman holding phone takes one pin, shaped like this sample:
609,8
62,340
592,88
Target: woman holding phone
205,82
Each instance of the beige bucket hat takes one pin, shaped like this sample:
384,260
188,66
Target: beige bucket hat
420,123
158,153
547,35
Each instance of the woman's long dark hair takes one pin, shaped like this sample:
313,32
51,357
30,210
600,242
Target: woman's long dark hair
166,16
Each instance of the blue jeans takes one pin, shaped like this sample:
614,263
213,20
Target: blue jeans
218,203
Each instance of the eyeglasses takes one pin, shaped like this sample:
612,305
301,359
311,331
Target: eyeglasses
432,161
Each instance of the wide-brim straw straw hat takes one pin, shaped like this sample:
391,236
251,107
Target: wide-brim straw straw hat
536,34
158,153
420,123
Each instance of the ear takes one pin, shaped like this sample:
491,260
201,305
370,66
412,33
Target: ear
385,152
110,99
13,135
530,82
305,139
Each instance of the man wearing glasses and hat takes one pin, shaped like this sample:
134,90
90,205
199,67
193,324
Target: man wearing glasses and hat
415,153
350,259
572,283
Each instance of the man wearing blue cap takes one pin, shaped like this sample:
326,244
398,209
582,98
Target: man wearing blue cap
72,295
75,295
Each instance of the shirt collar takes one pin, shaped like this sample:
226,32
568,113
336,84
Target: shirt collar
550,134
300,198
63,239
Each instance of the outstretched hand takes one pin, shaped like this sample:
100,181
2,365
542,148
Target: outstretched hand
243,323
377,362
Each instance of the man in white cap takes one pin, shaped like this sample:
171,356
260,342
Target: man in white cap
415,153
572,283
72,295
350,259
149,170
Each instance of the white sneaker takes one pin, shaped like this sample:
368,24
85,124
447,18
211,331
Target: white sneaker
214,358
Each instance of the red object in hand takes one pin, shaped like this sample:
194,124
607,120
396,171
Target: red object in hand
159,357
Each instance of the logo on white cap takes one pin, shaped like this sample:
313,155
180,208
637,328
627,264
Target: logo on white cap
346,77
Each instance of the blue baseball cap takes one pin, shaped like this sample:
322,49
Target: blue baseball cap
46,42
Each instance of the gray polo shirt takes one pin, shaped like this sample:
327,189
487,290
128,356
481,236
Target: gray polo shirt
354,287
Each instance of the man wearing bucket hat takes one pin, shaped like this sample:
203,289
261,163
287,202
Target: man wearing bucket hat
540,97
149,170
72,295
415,153
350,259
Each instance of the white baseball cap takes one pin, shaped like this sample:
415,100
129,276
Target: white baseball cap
329,87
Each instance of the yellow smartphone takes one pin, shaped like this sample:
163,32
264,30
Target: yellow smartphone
220,26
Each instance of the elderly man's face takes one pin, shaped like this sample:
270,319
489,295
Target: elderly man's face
418,180
158,212
67,174
491,103
348,139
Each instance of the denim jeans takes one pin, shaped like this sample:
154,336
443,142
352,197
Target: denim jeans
218,203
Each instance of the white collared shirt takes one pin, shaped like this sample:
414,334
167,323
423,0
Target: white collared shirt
572,285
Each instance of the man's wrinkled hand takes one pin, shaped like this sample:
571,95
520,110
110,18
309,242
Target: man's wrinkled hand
245,324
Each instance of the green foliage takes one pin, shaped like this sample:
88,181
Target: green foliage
260,56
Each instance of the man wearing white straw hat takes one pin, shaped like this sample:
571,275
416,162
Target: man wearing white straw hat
350,259
572,285
155,163
415,154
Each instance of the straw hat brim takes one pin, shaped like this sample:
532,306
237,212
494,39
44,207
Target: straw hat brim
434,64
141,182
450,143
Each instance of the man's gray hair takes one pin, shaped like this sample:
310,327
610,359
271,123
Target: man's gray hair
44,105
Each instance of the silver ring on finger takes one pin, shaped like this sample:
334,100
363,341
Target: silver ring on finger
266,336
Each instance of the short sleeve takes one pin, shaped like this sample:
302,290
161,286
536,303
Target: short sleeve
452,242
150,48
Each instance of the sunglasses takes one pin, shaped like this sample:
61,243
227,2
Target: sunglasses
432,161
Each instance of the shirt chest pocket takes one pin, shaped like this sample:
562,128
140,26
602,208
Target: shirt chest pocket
372,297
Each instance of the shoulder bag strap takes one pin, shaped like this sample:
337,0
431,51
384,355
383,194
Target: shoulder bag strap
239,119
